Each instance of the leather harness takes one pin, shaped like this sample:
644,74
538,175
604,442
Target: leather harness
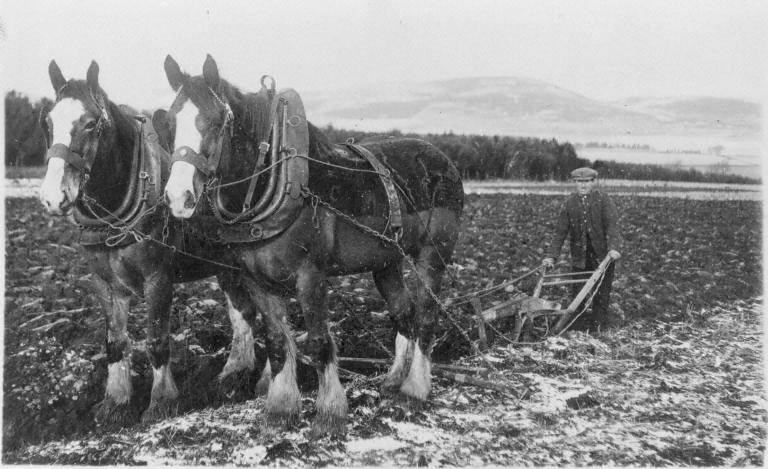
282,200
143,195
395,213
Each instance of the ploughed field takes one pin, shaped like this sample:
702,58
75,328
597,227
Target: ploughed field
677,380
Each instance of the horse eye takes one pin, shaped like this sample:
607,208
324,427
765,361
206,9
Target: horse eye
90,125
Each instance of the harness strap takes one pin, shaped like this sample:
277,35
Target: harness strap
188,155
395,214
263,149
59,150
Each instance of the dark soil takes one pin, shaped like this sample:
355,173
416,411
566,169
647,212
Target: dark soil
682,361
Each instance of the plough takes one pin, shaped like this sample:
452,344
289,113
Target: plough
526,309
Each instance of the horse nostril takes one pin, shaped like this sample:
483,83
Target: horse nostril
64,200
189,200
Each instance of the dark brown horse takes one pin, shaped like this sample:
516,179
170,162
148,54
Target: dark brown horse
106,169
341,225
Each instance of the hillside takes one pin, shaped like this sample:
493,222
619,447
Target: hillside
521,106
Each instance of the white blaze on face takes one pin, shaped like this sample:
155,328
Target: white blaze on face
52,188
187,134
181,180
62,116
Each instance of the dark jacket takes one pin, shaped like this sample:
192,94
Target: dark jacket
602,227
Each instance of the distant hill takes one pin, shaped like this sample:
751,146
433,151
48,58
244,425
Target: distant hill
528,107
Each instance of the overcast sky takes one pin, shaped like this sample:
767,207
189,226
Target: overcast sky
606,49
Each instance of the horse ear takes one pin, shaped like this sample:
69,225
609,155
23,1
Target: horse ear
164,128
92,78
211,72
176,77
57,78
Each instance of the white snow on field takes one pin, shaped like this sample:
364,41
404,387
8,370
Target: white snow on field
22,188
386,443
551,395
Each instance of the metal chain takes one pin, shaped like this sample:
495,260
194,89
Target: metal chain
381,236
139,236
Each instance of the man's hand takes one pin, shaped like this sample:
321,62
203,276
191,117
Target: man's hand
614,254
548,262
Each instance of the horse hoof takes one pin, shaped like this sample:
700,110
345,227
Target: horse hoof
160,410
111,414
328,425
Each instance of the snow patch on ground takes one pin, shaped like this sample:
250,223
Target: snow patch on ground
384,443
551,394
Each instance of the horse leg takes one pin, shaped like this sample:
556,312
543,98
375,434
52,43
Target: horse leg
283,397
242,356
115,408
331,404
158,293
389,282
430,269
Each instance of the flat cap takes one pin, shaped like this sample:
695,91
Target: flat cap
583,174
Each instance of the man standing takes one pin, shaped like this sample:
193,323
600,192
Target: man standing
590,218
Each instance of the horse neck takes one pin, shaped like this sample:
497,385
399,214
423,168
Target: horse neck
110,176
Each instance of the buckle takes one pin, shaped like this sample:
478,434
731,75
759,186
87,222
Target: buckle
256,232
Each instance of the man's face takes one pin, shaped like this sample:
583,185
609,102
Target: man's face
584,186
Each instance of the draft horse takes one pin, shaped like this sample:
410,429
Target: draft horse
341,227
105,171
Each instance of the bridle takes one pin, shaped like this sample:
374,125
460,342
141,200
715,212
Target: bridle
208,166
81,162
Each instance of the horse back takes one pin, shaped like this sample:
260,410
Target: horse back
423,176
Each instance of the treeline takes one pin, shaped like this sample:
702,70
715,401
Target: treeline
476,156
24,143
496,157
653,172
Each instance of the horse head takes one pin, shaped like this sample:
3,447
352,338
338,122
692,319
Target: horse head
77,129
203,122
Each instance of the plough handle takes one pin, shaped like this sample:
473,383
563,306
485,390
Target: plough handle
539,283
596,276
